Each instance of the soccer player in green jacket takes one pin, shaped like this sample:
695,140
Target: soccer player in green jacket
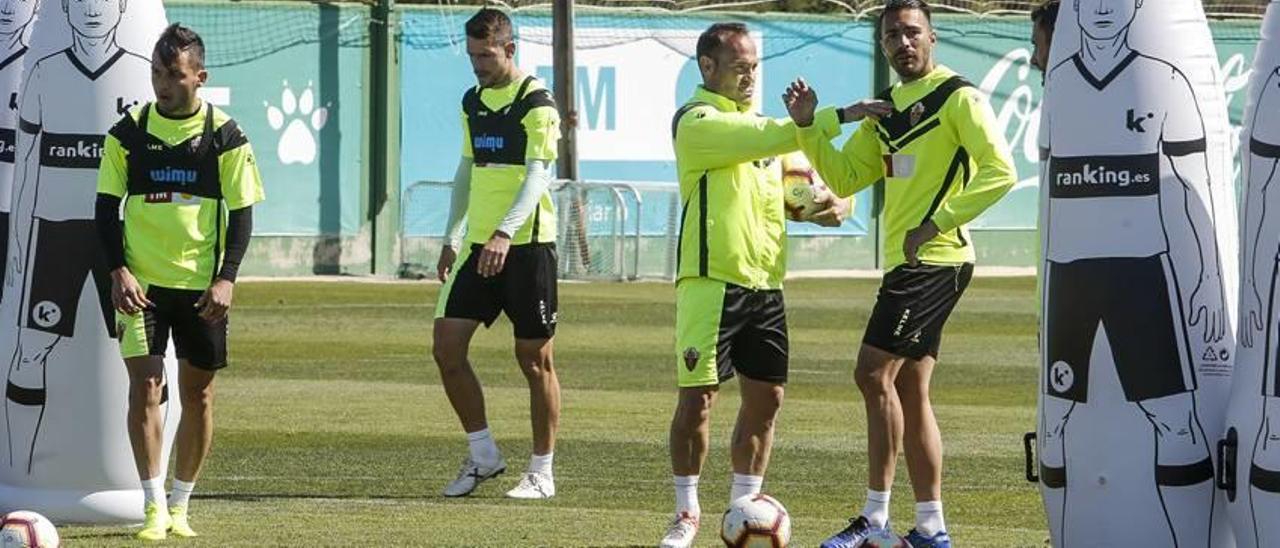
730,317
934,141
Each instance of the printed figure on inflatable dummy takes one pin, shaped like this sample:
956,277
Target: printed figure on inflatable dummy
1117,198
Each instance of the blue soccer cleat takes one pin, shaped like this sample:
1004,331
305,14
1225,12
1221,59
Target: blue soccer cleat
853,535
918,540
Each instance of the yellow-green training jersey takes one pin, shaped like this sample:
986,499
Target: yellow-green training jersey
942,157
503,128
179,178
733,222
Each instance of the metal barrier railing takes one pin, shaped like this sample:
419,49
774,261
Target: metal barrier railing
600,235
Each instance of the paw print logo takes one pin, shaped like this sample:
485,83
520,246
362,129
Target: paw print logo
298,119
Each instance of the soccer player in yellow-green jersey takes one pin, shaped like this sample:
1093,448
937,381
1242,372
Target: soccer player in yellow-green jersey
187,179
933,140
507,261
730,317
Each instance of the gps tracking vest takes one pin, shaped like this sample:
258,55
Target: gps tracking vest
499,143
1250,446
497,136
160,171
64,446
1139,280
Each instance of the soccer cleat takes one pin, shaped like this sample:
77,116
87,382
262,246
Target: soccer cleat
471,475
681,532
857,530
917,540
180,526
534,485
156,525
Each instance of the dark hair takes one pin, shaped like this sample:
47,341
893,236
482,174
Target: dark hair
176,39
489,24
891,6
712,39
1046,14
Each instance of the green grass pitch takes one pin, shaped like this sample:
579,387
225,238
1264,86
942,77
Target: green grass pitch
332,427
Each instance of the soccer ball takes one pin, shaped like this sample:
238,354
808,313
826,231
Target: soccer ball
24,529
881,538
756,521
802,188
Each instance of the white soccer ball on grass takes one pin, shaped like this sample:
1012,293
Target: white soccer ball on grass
756,521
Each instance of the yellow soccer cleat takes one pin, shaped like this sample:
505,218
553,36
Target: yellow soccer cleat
180,527
156,526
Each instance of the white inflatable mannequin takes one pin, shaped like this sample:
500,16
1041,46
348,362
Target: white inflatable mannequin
1139,279
16,17
66,451
1252,440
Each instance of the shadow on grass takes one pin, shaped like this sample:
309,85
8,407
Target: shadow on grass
263,497
100,535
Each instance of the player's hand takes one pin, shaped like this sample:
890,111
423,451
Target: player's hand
215,301
1207,307
801,101
444,266
494,255
1252,314
127,295
867,108
836,211
917,237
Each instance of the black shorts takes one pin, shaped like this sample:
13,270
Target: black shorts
913,306
723,328
1271,307
1136,301
203,344
66,254
4,248
525,290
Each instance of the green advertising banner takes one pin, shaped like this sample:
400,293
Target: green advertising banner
995,54
293,76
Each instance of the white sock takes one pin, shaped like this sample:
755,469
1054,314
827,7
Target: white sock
743,485
483,449
929,518
153,491
687,495
877,509
541,464
181,493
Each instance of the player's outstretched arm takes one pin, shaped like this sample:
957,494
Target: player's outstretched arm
708,139
845,171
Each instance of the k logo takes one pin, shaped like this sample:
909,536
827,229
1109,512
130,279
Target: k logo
46,314
122,107
1061,377
1134,123
691,356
